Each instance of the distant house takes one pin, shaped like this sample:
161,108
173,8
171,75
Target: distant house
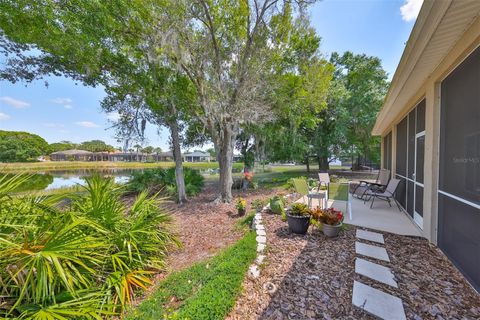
163,156
83,155
196,156
125,157
72,155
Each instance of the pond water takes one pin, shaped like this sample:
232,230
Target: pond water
56,179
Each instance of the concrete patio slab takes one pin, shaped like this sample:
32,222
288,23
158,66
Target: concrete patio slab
371,251
370,236
381,217
377,303
375,271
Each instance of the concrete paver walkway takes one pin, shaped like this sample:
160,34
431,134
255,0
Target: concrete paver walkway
374,301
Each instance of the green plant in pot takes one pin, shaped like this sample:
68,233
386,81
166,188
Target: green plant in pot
298,218
330,219
241,206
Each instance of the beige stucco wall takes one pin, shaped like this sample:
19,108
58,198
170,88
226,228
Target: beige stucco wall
430,90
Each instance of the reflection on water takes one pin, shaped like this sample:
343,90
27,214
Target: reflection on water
48,180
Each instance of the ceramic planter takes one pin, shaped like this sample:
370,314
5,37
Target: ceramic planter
298,224
331,231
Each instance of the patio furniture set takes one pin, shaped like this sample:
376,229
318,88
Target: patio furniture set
383,188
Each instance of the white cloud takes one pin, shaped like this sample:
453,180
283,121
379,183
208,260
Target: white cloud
113,116
4,116
19,104
410,9
87,124
65,102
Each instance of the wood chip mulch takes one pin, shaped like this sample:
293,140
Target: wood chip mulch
311,277
204,228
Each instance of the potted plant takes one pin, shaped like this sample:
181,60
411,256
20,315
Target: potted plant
298,218
330,219
241,206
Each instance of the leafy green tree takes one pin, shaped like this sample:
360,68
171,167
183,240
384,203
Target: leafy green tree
303,79
96,146
108,43
227,49
61,146
148,149
17,146
365,86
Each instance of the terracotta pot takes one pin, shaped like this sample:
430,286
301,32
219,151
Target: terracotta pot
298,224
331,231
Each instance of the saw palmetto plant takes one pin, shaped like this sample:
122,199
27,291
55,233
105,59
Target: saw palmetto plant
80,258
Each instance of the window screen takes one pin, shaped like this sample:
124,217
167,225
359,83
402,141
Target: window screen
387,152
401,157
401,194
421,116
411,144
460,131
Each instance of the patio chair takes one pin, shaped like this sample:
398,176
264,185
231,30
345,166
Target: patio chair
324,180
386,195
379,185
301,187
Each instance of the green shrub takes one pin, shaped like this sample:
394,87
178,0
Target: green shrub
82,262
277,205
164,179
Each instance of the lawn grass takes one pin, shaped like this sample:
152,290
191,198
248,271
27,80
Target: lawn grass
207,290
61,165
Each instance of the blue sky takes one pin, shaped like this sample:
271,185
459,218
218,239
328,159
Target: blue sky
68,111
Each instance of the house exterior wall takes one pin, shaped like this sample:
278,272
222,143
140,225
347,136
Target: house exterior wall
430,90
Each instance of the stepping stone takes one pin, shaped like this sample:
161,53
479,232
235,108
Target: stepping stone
375,272
371,251
370,236
261,232
260,247
377,303
261,239
260,227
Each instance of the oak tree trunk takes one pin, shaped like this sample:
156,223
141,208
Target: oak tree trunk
225,144
323,164
177,157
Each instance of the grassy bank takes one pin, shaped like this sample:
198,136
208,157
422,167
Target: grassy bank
207,290
62,165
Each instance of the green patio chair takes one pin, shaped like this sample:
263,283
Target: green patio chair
301,187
